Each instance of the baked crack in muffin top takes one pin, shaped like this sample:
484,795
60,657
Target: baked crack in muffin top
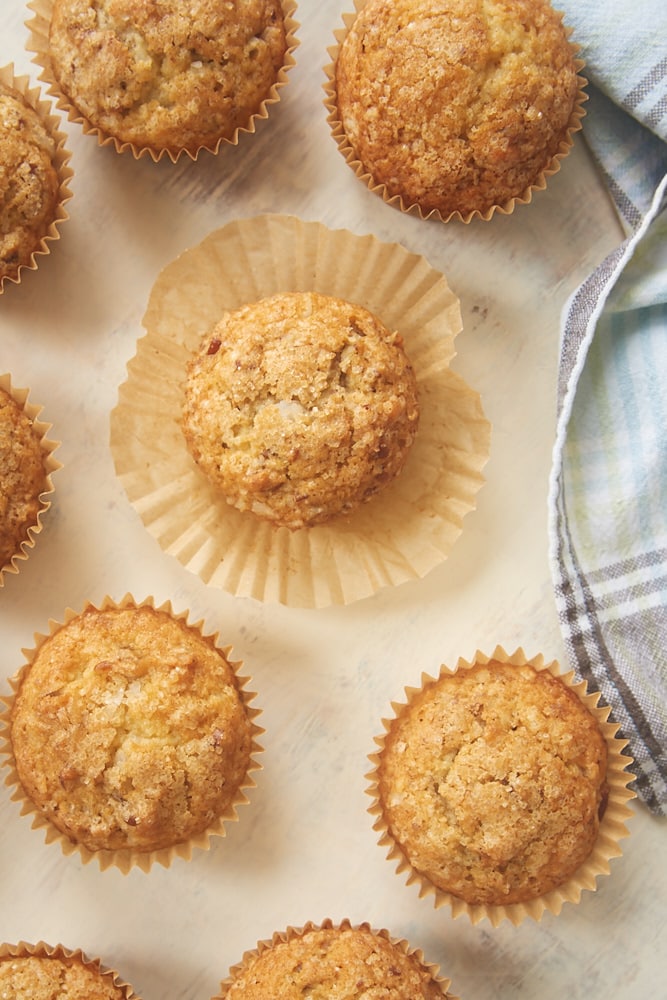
456,105
300,407
167,75
128,730
493,781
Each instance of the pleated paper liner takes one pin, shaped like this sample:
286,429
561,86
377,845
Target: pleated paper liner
99,980
31,96
51,464
401,203
129,857
612,827
38,44
405,531
265,960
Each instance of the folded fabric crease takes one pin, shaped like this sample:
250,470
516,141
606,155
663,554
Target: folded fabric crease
607,509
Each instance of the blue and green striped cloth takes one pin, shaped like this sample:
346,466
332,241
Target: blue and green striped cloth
608,486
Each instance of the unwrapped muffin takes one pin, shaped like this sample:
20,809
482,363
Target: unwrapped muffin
43,972
26,464
333,961
493,783
300,407
34,173
455,106
130,734
170,81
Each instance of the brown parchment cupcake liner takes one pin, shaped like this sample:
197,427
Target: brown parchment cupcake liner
128,858
38,44
70,957
612,826
397,200
31,96
51,465
431,971
405,531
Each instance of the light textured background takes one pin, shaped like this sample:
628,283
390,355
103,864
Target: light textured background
304,848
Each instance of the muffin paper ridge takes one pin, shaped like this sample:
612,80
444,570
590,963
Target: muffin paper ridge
612,826
407,529
51,465
127,858
32,94
292,932
38,26
397,201
41,949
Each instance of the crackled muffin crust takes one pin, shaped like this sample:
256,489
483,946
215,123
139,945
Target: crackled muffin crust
128,730
456,105
299,407
28,181
178,78
22,476
493,781
334,962
42,978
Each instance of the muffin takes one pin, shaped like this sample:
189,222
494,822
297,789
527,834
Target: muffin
493,783
409,527
300,407
333,961
33,176
42,972
130,735
455,106
26,464
173,83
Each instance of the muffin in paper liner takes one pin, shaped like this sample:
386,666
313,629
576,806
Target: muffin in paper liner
418,206
403,532
84,976
612,810
21,534
107,827
39,45
48,230
317,957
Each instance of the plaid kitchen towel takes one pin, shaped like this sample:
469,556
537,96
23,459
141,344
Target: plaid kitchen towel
608,485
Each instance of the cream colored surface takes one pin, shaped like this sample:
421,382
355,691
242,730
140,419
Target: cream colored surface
304,848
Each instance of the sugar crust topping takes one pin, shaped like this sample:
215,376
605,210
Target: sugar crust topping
493,781
456,105
178,77
28,181
22,476
300,407
45,978
129,731
328,963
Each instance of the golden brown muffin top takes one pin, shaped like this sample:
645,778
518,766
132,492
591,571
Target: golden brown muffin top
28,181
299,407
22,476
129,731
172,76
492,782
43,978
456,105
325,964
